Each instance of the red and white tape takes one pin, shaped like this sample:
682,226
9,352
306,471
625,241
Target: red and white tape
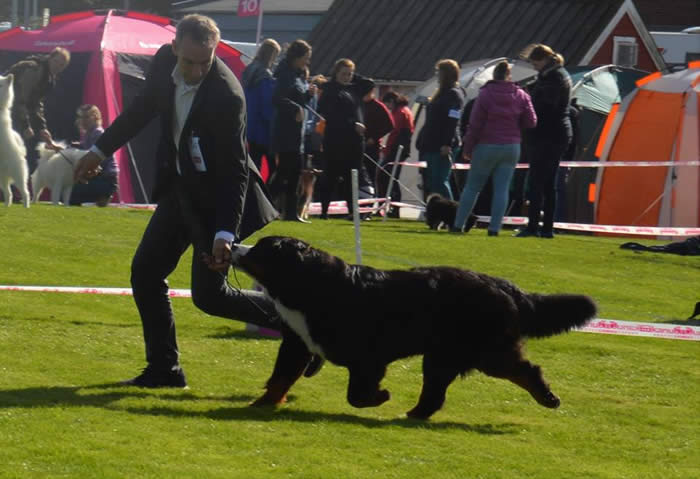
174,293
375,204
573,164
615,229
654,330
604,326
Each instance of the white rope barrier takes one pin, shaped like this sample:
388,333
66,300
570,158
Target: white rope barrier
599,325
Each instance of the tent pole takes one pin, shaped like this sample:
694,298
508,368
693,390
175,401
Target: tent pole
259,30
14,15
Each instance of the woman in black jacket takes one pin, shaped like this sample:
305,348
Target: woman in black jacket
343,138
289,100
439,134
549,140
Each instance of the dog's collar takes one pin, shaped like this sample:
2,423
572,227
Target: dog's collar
66,158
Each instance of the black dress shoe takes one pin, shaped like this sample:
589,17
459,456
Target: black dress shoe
151,377
314,366
492,233
526,233
546,234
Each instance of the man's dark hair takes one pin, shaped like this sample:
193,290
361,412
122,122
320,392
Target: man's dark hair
199,28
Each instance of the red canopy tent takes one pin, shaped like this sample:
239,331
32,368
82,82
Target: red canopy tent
110,53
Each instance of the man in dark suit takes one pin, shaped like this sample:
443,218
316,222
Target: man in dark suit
208,191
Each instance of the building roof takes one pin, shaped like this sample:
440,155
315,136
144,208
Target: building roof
289,7
667,15
402,39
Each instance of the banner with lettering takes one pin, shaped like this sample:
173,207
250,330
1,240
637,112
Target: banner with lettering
248,8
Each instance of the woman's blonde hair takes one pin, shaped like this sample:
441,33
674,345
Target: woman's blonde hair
539,52
90,111
342,63
448,76
267,52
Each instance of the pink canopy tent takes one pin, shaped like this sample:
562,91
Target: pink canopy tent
110,53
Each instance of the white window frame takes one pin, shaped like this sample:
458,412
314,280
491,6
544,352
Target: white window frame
619,42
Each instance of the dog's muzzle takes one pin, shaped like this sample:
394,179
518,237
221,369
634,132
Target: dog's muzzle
238,251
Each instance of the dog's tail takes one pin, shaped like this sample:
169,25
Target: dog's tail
556,314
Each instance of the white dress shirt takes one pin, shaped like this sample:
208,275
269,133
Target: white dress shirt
184,96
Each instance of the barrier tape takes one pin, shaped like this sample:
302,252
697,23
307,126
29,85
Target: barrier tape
653,330
616,229
573,164
340,207
602,326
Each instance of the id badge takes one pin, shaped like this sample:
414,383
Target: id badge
196,155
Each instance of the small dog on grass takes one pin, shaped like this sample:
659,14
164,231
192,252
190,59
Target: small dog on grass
364,318
440,212
55,172
13,153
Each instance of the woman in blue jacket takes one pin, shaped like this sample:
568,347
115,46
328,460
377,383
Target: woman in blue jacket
258,85
439,134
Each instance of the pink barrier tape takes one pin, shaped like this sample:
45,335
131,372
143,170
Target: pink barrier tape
174,293
616,229
652,330
603,326
575,164
340,207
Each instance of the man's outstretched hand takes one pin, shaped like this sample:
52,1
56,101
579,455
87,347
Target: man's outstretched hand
220,258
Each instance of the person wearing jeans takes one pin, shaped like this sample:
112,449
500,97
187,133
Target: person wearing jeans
439,133
492,143
548,142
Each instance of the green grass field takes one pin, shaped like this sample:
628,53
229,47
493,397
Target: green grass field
629,405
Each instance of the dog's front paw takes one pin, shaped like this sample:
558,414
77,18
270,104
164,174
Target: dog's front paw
266,400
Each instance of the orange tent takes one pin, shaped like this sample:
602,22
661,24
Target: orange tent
657,122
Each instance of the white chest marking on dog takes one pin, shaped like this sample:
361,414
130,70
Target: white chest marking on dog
296,320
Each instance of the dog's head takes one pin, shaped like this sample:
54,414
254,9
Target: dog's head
276,262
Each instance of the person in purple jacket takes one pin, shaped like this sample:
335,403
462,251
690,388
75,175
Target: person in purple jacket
492,143
102,187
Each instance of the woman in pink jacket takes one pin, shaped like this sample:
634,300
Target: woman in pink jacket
492,143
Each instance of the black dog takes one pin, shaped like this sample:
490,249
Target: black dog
363,318
442,211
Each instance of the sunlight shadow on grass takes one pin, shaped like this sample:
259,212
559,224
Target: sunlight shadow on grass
42,396
73,321
109,394
242,334
268,414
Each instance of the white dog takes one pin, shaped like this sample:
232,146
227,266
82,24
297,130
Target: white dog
13,153
55,172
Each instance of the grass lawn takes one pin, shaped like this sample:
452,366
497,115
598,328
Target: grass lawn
629,405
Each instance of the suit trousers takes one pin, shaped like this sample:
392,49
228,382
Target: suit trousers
168,235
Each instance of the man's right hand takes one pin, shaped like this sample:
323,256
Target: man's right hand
87,168
28,133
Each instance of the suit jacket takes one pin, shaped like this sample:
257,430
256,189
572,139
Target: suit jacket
230,194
